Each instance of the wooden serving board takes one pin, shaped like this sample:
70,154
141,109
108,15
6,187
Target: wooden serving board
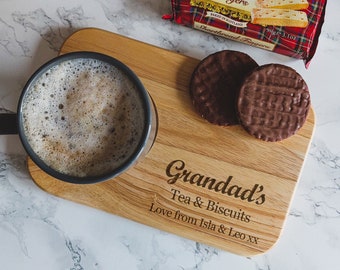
215,185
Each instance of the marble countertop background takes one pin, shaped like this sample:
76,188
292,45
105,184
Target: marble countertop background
39,231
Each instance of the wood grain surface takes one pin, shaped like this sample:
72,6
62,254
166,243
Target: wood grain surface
215,185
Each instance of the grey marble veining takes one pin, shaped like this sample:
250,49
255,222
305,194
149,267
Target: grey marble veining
40,231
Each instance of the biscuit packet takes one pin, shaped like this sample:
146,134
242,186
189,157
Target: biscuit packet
288,27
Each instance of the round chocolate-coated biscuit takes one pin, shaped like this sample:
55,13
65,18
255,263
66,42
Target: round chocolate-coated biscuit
273,102
215,83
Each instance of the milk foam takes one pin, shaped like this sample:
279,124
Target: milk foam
83,117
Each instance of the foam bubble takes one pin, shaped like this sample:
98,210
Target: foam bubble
83,117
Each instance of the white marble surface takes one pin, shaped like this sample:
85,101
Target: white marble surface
39,231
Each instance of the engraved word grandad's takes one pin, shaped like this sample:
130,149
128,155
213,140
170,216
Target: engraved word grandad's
176,170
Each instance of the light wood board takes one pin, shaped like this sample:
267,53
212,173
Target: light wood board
215,185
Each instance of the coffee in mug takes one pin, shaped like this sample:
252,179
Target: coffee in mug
86,117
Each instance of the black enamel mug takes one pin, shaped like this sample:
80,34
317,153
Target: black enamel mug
84,117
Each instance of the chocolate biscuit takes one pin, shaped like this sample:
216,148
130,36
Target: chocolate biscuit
273,102
215,83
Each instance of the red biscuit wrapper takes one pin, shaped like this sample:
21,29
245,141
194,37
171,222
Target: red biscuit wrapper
288,27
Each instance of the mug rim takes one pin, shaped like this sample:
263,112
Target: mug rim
141,91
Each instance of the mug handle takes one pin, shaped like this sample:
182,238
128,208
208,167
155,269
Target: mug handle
8,123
